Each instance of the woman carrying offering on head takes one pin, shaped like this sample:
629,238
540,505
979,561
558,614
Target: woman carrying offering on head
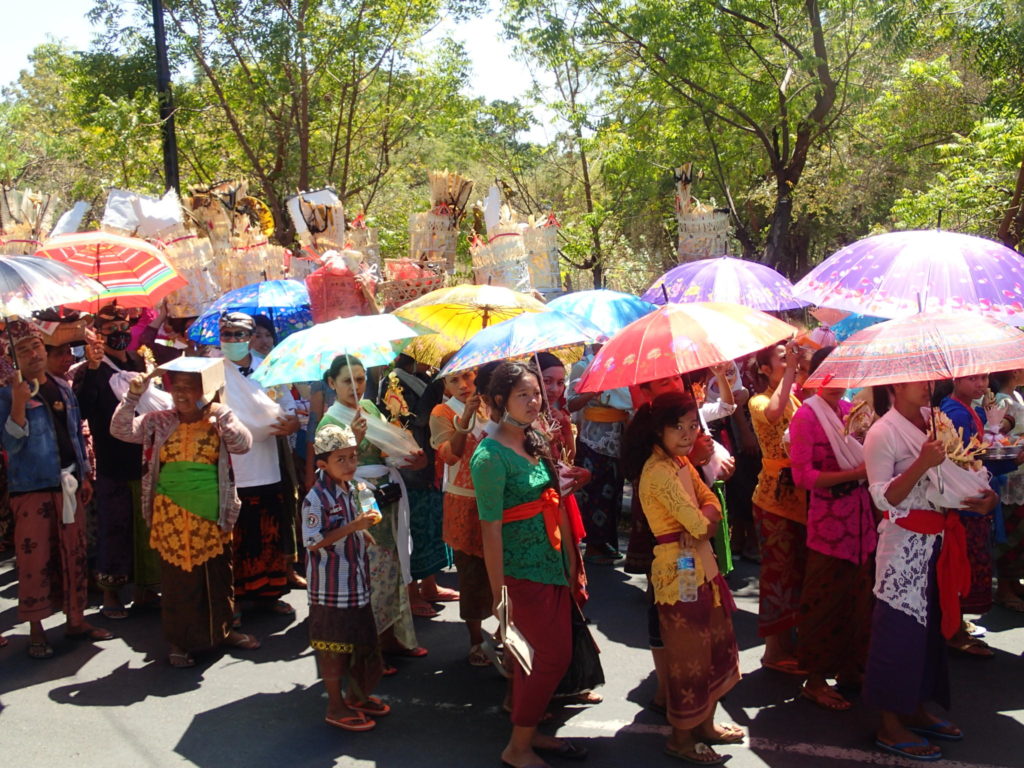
190,505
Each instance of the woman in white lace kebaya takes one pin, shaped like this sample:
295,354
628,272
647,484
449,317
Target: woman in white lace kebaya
921,564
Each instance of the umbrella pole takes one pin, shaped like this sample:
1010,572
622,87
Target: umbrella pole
18,378
664,292
543,393
352,380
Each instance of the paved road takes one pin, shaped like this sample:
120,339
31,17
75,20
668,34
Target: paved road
118,704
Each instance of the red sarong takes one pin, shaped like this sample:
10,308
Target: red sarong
547,505
953,570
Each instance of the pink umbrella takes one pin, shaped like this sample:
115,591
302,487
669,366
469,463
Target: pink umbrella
900,273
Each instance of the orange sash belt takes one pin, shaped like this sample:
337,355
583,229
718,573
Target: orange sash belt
603,414
546,505
953,569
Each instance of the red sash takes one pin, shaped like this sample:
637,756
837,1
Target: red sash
546,505
953,570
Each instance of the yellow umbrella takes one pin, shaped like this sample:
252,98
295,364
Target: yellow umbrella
460,311
432,348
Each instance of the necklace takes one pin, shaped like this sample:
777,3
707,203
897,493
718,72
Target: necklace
511,420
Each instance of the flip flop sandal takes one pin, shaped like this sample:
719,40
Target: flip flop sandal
3,641
180,660
40,650
114,614
735,735
788,667
443,596
935,731
93,635
388,671
700,748
1012,603
831,704
901,750
477,657
376,707
424,611
281,608
413,653
982,649
587,697
361,723
243,643
568,751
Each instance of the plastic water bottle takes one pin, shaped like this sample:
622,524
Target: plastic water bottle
367,501
686,570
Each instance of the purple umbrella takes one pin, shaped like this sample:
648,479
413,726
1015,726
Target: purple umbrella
725,279
900,273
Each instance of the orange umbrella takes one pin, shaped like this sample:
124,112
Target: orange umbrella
135,272
679,338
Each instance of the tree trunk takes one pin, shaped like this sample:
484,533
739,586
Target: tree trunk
777,251
1010,229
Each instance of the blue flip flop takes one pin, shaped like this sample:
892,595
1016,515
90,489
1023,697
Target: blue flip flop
932,731
901,750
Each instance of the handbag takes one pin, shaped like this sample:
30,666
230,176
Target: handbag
387,493
585,671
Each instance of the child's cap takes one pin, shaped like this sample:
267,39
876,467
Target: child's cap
332,437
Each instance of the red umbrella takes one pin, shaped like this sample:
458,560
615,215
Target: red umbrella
926,347
679,338
135,272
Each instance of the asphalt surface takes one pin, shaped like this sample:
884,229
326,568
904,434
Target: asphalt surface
118,703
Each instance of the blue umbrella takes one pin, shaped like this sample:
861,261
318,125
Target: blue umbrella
610,311
850,324
285,302
522,336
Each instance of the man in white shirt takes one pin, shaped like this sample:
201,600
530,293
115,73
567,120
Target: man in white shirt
264,536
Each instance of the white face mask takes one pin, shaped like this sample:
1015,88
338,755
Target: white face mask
235,350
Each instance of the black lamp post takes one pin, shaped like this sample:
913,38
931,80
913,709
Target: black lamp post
166,100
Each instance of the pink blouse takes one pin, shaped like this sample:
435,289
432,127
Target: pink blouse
841,527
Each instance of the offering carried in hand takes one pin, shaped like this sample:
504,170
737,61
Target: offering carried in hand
952,438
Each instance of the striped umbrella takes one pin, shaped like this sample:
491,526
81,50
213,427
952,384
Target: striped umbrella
930,346
134,272
679,338
28,284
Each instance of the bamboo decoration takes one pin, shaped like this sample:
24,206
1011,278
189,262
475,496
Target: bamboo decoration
25,219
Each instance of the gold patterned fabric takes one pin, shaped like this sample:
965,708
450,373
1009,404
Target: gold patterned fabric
182,538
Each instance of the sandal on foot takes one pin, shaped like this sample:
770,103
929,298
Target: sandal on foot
388,671
477,657
829,699
372,706
694,757
180,660
424,611
443,595
733,735
412,653
568,751
3,641
786,667
1011,603
901,750
281,608
40,649
243,642
352,723
940,729
114,614
586,697
91,633
976,649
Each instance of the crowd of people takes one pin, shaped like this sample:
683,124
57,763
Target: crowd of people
156,465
